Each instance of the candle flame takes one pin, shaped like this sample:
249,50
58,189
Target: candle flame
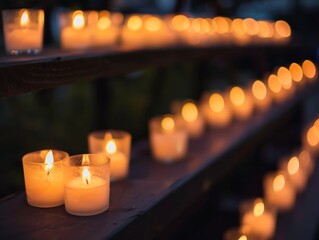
293,166
153,24
282,28
25,19
279,183
264,29
104,23
242,237
110,147
168,123
237,96
86,175
134,23
259,208
259,90
313,136
78,20
85,160
180,23
274,83
189,112
216,102
296,72
49,160
251,26
309,69
284,77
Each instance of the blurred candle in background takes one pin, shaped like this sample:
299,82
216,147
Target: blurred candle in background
242,103
261,95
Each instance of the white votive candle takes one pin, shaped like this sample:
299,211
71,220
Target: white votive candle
87,184
43,177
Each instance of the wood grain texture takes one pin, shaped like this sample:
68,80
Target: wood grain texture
154,195
55,67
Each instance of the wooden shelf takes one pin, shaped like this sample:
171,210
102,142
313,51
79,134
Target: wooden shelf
154,195
55,67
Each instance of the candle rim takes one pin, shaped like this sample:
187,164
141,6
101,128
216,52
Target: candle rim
106,158
27,157
116,134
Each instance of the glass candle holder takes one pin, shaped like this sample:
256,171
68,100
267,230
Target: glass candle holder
240,233
23,31
43,177
216,110
297,176
259,217
86,184
278,191
241,102
168,139
117,145
187,113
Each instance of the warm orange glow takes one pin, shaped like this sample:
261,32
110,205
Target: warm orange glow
264,29
242,237
305,158
309,69
134,23
104,23
189,112
168,123
259,208
180,22
238,26
284,77
313,136
279,183
110,147
222,24
216,102
85,160
259,90
205,27
153,24
293,166
117,18
78,20
296,72
48,162
251,26
92,18
86,175
195,23
237,96
282,28
25,19
274,83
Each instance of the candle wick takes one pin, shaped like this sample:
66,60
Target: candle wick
87,181
48,173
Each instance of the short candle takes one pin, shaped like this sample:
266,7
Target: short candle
242,104
259,217
278,191
261,95
168,139
216,110
87,184
117,145
23,31
43,177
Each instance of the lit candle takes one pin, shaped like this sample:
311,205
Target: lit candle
311,139
296,73
259,217
306,162
190,117
275,88
74,32
288,86
43,177
23,31
242,104
168,139
132,33
216,110
117,145
278,191
261,95
87,184
309,70
296,175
